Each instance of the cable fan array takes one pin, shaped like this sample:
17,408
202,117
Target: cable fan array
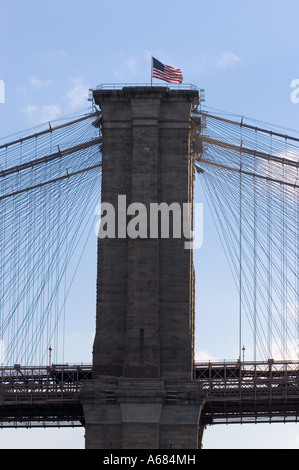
250,178
49,187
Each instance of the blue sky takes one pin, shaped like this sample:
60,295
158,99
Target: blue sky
244,53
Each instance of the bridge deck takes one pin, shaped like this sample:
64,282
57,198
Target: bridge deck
249,392
236,392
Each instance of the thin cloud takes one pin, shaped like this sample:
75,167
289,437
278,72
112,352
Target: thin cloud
77,96
228,59
34,83
131,64
41,114
73,100
38,83
204,356
50,56
136,68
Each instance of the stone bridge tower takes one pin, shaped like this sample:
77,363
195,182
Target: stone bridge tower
142,395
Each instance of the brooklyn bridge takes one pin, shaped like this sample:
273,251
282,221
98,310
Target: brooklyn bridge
144,389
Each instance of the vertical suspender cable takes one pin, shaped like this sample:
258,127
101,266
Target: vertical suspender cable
297,265
240,251
254,260
283,260
269,257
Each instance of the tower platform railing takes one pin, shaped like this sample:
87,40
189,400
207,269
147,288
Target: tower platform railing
172,86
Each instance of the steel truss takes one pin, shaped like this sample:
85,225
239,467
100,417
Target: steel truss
236,392
249,392
42,396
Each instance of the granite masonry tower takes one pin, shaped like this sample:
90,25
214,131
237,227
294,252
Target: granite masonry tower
142,395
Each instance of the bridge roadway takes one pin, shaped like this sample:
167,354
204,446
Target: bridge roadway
236,392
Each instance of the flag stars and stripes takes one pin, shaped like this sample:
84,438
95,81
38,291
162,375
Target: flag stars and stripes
166,72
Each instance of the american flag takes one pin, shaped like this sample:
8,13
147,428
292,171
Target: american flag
166,73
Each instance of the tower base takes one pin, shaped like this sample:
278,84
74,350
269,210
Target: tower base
142,414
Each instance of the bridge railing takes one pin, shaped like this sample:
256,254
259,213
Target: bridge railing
28,385
235,392
120,86
241,379
234,379
249,392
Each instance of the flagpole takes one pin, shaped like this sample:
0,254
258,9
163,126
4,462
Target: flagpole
152,72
